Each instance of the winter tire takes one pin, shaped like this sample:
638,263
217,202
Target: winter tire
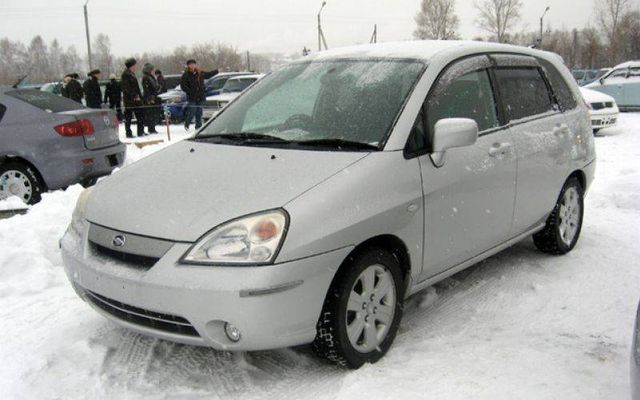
17,179
563,226
362,311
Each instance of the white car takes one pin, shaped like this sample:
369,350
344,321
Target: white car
602,109
231,89
623,84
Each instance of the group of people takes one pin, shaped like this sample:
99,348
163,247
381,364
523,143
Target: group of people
144,104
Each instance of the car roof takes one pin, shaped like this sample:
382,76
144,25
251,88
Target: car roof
424,50
252,76
628,64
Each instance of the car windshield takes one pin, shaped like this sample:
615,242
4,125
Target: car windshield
237,85
324,102
45,101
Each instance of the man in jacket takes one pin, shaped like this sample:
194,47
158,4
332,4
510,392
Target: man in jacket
91,88
73,89
113,95
132,98
192,83
161,81
150,91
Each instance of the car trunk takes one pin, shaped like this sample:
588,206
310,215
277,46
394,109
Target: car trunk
105,126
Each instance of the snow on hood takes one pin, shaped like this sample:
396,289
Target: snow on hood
593,96
184,191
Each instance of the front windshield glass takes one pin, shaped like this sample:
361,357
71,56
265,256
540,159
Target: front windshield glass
347,100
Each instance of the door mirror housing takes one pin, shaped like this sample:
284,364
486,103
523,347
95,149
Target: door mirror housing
450,133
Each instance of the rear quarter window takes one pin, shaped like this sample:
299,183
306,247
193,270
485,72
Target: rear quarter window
45,101
561,90
524,92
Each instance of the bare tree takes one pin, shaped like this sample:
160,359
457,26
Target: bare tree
436,20
630,32
610,13
102,56
498,17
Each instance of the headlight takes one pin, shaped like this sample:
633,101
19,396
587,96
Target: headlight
254,239
78,220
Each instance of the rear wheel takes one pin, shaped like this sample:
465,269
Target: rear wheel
563,226
362,311
20,180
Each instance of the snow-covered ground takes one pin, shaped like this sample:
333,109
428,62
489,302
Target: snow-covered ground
521,325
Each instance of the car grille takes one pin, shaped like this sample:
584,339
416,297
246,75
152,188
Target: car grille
127,258
139,316
601,106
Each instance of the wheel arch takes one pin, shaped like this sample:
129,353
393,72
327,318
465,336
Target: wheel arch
580,176
13,158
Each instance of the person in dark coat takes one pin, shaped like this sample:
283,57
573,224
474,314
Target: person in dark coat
161,81
150,92
113,95
132,98
192,83
91,88
73,88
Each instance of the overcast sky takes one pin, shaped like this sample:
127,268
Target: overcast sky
284,26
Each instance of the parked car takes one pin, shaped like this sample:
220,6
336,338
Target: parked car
53,88
623,84
175,100
313,205
172,80
49,142
231,89
635,359
602,109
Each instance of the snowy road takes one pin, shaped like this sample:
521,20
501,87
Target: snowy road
521,325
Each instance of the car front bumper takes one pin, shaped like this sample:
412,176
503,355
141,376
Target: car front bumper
604,118
273,306
68,167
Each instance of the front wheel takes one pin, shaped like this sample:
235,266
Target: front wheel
563,226
362,311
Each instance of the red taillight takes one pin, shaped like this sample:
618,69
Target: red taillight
76,128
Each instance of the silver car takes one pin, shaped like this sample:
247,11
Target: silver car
321,198
49,142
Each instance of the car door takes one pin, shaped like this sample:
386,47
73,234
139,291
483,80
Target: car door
631,89
541,137
469,199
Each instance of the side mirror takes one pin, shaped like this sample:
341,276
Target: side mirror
601,80
450,133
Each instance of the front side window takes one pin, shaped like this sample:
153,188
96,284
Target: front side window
468,96
619,73
338,100
559,86
524,92
217,84
237,85
634,73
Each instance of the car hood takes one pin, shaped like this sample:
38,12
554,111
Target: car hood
593,96
185,190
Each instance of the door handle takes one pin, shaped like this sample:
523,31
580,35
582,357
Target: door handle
561,129
499,149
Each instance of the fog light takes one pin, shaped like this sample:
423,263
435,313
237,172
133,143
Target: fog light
232,332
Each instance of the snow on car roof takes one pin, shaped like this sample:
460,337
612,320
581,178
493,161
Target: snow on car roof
241,77
418,49
628,64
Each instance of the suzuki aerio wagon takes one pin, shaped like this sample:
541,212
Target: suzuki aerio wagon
320,199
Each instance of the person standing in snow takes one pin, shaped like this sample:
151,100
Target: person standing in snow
132,98
113,95
161,81
73,89
150,91
192,83
91,88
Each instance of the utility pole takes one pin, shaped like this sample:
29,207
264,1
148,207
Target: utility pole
86,27
374,37
542,25
321,39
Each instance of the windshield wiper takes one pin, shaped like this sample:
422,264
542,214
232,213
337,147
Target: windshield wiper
244,137
337,144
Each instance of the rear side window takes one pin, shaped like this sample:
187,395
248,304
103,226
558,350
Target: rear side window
634,72
559,86
524,92
3,109
469,96
45,101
